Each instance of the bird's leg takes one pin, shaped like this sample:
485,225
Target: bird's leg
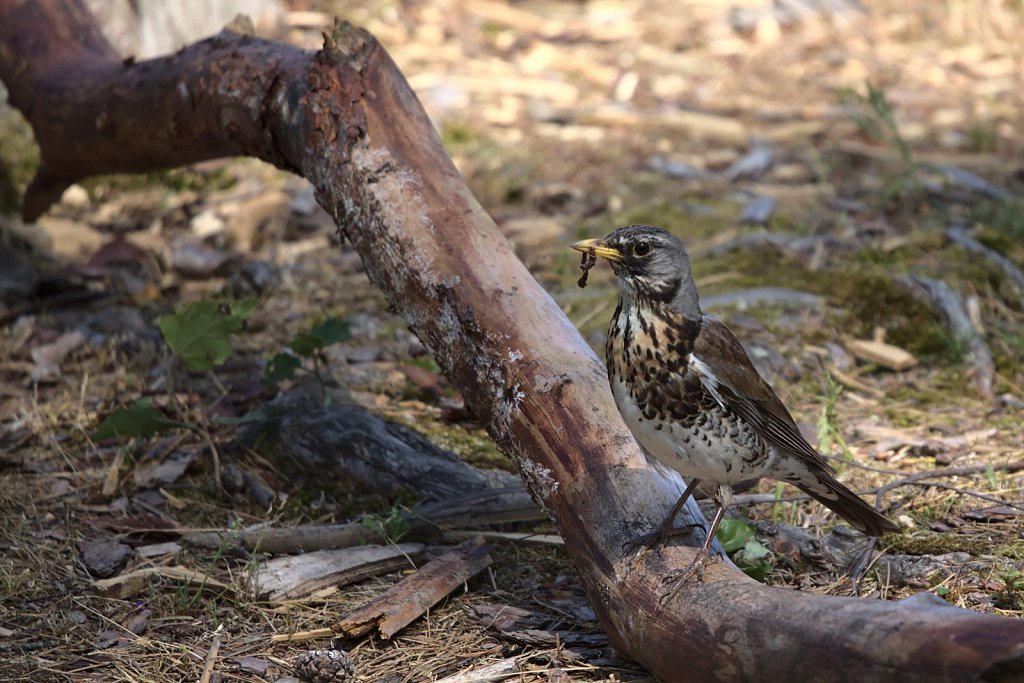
666,529
675,580
723,496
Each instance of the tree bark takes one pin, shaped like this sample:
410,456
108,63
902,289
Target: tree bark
346,119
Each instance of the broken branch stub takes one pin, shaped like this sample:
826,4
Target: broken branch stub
347,120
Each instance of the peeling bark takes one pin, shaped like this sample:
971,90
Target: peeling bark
346,119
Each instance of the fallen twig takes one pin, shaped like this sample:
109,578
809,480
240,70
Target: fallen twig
426,523
880,353
299,636
963,492
211,659
917,477
136,582
763,295
495,671
963,470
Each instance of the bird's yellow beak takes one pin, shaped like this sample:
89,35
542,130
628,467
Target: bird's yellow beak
597,247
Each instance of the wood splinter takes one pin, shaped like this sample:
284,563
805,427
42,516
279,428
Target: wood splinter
403,603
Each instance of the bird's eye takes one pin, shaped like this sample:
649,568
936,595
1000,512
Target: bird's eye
642,248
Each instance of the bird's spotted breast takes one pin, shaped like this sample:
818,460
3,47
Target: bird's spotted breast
668,403
650,355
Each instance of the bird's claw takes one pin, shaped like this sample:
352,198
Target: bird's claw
659,537
678,578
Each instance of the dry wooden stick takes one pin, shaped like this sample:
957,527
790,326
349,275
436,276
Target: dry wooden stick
426,523
211,659
918,479
299,636
402,604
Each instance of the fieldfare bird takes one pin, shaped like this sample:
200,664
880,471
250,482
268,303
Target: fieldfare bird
690,394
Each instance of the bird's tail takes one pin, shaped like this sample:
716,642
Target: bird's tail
827,490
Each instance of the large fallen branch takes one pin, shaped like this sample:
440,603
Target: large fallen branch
346,119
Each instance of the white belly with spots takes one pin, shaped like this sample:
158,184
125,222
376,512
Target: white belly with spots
696,453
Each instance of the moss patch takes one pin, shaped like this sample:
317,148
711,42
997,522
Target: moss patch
860,297
473,446
929,543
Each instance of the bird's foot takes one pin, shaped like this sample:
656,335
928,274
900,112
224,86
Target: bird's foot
678,578
660,536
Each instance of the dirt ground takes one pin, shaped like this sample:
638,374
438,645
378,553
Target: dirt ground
848,181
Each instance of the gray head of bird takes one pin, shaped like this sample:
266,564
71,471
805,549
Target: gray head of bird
652,266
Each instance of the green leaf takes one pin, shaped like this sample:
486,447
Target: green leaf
737,537
305,344
758,571
140,419
200,333
733,534
243,308
280,368
332,331
323,334
754,552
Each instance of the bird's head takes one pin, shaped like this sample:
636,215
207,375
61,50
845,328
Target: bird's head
651,264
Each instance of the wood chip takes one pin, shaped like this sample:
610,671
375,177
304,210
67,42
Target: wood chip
299,636
851,382
405,602
880,353
158,549
299,575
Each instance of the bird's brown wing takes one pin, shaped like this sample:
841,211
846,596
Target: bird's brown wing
742,389
732,377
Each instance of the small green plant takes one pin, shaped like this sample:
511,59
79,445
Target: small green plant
830,435
882,125
782,512
390,527
1004,216
878,122
200,332
306,345
138,420
954,347
982,137
990,476
737,537
1012,595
